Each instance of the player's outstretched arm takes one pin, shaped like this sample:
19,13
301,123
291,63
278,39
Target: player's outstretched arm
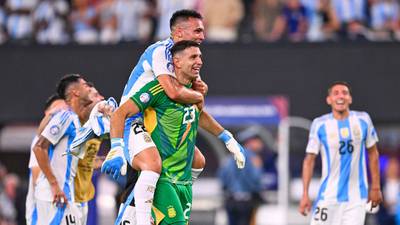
208,123
178,92
115,163
308,170
375,193
41,153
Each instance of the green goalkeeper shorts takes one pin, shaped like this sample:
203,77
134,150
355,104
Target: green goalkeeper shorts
172,203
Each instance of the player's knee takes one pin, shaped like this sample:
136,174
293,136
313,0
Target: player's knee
199,161
148,159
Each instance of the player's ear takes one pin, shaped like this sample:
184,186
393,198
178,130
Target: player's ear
176,62
328,100
351,100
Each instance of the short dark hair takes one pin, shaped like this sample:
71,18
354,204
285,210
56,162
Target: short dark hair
65,82
344,83
52,98
183,15
182,45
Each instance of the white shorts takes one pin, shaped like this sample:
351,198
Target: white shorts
345,213
30,205
84,209
128,215
48,213
136,139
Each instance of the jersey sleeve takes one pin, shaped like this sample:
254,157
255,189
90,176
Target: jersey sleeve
162,63
372,137
314,142
148,96
32,158
57,126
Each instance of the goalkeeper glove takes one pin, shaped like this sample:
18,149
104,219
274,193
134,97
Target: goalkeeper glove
234,147
115,163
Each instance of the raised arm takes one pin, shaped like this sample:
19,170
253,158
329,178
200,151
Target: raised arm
308,170
41,153
375,193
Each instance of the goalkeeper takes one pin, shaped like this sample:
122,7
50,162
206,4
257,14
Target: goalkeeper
173,128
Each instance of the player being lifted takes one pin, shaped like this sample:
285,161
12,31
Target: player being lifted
173,128
341,137
140,151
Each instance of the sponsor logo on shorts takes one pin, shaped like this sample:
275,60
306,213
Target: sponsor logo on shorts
171,212
146,137
144,97
54,130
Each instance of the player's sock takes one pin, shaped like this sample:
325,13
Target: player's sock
144,194
196,173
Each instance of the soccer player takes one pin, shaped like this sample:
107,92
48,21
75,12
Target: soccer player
54,192
342,138
84,188
155,63
173,128
53,104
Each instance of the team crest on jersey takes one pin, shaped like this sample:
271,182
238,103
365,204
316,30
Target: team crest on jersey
171,212
357,133
54,130
144,97
344,132
146,137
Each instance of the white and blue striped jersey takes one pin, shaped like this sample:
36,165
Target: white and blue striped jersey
342,144
155,61
30,205
384,12
350,10
60,131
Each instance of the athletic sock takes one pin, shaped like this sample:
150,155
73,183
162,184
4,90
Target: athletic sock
196,173
144,194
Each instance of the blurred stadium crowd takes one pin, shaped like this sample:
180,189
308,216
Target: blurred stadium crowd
114,21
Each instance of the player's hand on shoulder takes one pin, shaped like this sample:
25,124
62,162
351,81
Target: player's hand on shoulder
200,86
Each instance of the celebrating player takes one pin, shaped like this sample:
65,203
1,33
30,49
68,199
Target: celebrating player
156,62
53,104
173,127
54,188
341,137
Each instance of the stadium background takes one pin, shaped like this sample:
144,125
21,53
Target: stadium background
300,72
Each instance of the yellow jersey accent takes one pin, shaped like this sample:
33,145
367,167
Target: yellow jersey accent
159,216
84,189
155,89
150,119
171,212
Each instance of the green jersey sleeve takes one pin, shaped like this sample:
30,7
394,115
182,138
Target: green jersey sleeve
148,96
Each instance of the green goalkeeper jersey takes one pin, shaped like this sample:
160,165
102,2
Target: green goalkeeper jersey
173,128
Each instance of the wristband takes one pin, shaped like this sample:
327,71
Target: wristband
225,136
117,142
